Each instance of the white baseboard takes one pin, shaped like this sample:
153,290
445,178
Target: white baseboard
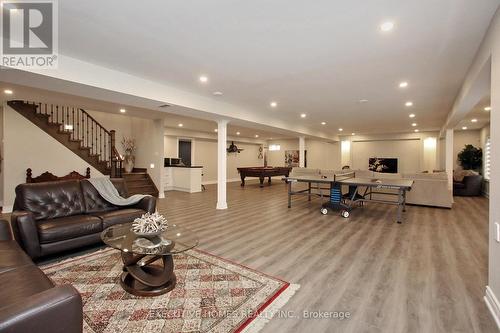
211,182
7,209
493,305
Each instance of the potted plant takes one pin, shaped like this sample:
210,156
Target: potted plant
129,148
471,158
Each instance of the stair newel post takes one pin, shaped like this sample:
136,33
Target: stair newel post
67,115
78,124
87,144
111,149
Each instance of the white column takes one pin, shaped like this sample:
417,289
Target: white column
302,151
449,158
221,163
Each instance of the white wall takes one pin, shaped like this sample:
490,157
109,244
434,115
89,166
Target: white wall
149,137
27,146
462,138
206,156
320,154
415,152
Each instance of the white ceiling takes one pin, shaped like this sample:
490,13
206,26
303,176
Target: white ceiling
479,113
317,57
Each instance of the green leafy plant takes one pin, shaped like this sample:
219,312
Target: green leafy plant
471,158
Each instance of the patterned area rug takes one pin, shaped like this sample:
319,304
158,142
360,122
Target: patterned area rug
211,295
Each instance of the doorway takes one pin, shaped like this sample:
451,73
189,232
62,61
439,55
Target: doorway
185,151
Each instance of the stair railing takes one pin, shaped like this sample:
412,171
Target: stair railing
83,128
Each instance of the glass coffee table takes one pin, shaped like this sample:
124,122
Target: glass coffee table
148,267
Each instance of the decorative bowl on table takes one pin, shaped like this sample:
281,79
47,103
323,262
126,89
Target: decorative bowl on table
150,227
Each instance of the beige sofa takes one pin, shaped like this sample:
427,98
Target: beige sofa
429,189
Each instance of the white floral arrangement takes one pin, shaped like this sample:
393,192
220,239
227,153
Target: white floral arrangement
149,223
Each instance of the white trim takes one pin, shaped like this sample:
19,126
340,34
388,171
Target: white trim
211,182
7,209
493,305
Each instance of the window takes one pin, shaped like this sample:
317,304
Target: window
274,147
487,159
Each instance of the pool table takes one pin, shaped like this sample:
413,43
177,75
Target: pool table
263,172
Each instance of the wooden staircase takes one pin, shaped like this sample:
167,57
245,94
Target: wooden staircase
139,182
82,134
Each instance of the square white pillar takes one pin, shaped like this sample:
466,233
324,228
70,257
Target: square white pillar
221,164
302,151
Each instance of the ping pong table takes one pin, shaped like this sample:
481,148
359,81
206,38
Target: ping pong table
360,190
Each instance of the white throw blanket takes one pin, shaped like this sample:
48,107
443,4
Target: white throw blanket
109,192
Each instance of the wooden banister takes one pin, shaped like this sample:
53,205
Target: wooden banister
80,126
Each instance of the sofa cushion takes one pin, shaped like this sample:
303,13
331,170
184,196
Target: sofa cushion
20,283
68,227
50,200
126,215
94,203
11,256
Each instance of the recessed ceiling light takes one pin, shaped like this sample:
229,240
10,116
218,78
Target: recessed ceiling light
387,26
256,135
273,104
412,115
414,124
123,110
409,104
203,79
180,125
403,84
488,108
416,131
216,130
217,93
474,120
362,101
323,123
8,91
238,133
464,128
353,133
303,115
341,129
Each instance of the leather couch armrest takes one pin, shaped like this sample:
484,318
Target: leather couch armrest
25,230
56,310
5,233
147,204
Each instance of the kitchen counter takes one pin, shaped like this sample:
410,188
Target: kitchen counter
182,178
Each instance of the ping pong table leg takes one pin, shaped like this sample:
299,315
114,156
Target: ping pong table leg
404,200
289,194
400,206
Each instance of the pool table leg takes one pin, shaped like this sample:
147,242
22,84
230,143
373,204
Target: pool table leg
261,180
269,180
242,180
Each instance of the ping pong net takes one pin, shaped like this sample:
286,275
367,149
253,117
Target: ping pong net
343,175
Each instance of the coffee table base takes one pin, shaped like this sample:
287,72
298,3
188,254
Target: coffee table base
146,279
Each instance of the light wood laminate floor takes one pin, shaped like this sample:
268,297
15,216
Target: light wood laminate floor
427,275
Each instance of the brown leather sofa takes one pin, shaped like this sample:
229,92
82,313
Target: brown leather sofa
57,216
29,301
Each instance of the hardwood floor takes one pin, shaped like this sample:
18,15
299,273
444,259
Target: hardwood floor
427,275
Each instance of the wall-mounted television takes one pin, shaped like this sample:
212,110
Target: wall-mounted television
385,165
